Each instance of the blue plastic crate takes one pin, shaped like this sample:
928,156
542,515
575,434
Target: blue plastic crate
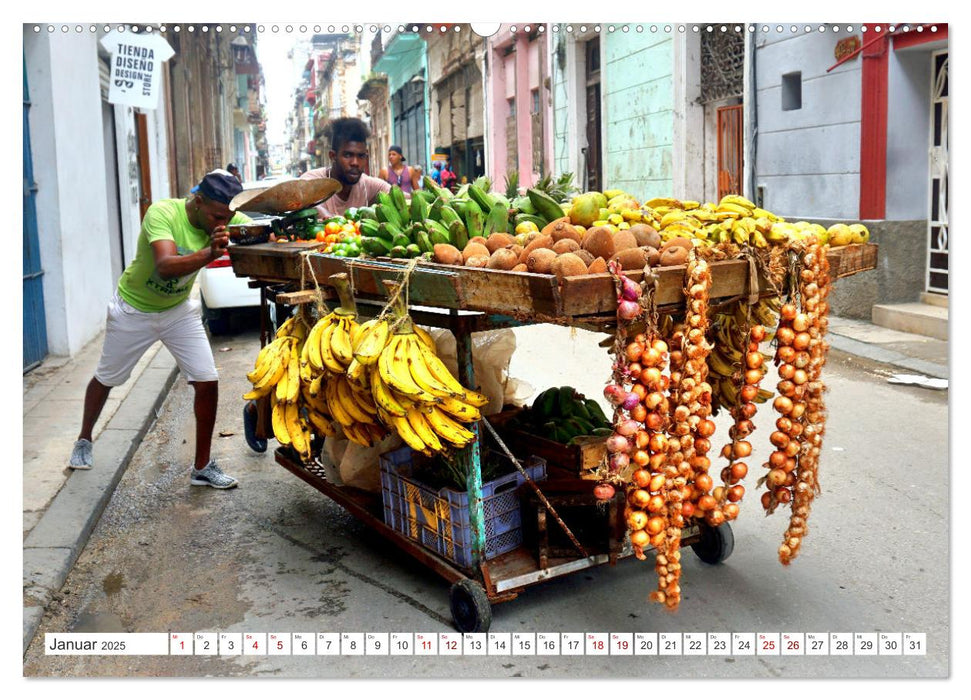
439,519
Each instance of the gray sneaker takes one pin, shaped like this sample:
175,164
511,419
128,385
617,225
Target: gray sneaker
213,476
81,457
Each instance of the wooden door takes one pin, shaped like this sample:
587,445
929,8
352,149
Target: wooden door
730,150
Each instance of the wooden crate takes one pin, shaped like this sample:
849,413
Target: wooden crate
273,262
578,459
600,528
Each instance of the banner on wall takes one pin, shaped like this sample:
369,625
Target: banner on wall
136,68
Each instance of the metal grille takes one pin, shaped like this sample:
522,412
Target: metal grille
722,62
938,257
35,322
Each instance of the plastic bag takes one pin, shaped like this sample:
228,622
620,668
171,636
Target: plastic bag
359,466
491,353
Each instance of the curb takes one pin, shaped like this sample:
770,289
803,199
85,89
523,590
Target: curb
886,356
54,544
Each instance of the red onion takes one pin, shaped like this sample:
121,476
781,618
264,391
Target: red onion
618,462
617,443
628,310
630,290
603,492
627,428
615,394
631,401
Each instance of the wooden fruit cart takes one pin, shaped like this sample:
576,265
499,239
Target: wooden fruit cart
464,301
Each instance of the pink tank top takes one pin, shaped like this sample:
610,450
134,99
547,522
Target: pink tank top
403,181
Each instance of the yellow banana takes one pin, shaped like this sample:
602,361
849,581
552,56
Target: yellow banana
334,405
372,341
738,200
264,361
340,342
383,396
327,358
357,374
354,331
407,433
416,420
420,371
463,411
317,385
293,378
321,423
357,432
282,389
669,202
285,327
348,404
448,429
364,400
376,431
439,370
426,338
279,367
295,429
393,367
312,344
278,420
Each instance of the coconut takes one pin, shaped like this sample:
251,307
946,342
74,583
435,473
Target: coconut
597,266
680,242
599,240
539,260
560,229
631,258
474,249
674,255
646,235
566,245
624,240
503,259
477,261
499,240
447,254
568,265
538,242
585,255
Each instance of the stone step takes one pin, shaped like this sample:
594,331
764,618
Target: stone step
934,299
916,317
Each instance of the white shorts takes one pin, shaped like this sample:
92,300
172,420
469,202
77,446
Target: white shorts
130,332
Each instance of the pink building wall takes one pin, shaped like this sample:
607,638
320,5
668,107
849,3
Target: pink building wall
515,76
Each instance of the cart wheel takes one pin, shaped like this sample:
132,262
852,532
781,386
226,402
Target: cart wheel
716,543
471,610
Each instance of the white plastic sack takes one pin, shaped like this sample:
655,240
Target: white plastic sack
491,353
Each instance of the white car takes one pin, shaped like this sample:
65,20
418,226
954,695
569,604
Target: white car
222,292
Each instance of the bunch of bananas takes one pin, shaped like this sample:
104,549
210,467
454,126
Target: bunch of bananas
413,391
328,357
729,329
277,373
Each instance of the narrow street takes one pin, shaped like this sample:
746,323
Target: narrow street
274,555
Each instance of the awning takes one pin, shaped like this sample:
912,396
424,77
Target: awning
401,48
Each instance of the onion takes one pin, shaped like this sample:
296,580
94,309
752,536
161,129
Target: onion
634,351
639,498
637,520
757,333
739,470
629,289
628,310
617,443
657,482
706,428
603,492
615,394
641,478
627,428
619,462
630,400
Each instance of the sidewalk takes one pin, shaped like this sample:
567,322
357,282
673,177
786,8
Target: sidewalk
61,507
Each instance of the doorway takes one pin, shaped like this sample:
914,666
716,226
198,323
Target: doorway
938,258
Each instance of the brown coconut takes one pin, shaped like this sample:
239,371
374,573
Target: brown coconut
631,258
538,242
498,240
568,265
521,267
679,242
624,240
448,254
566,245
477,261
646,235
473,250
653,255
503,259
560,229
674,255
599,240
585,255
597,266
539,260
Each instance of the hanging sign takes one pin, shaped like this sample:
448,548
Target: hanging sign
136,68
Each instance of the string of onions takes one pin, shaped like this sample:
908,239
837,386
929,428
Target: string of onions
732,491
814,288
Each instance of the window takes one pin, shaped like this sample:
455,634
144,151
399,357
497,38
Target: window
512,106
792,91
534,101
